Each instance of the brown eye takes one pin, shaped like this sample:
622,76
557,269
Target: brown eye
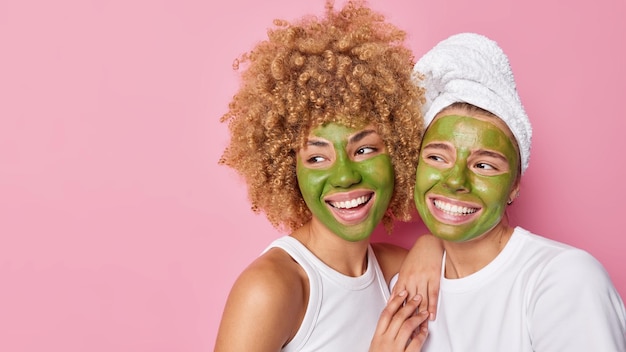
365,150
315,159
436,158
485,166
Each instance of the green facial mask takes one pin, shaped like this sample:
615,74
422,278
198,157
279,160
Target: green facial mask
346,179
466,174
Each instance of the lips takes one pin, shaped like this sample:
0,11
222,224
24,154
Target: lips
350,208
451,211
353,203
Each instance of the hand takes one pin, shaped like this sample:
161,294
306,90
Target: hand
400,328
420,273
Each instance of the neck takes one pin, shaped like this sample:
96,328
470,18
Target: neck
348,258
466,258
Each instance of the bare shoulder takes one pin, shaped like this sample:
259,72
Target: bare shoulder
275,270
265,306
390,258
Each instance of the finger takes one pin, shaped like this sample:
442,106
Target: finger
397,288
411,327
403,325
433,297
417,342
398,285
388,313
402,319
423,290
418,285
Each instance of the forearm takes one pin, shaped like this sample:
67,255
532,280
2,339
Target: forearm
420,272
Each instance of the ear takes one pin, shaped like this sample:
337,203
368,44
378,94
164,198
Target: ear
514,192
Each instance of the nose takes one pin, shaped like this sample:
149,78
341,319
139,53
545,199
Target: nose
456,179
345,174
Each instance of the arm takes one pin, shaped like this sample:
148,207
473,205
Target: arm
265,306
575,307
421,272
398,329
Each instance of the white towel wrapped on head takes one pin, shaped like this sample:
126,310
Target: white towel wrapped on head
472,68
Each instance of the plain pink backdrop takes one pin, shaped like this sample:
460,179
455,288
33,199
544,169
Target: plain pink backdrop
119,231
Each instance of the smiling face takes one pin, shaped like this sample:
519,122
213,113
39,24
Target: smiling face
467,172
346,179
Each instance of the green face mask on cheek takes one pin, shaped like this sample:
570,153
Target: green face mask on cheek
346,179
466,173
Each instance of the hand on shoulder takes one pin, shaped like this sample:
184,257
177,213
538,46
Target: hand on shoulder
421,272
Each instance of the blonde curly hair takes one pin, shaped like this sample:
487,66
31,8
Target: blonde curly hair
349,67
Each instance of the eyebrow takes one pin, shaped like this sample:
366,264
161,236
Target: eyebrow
316,143
357,137
492,154
354,139
437,146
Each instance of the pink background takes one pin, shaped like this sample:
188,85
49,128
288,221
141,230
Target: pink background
119,231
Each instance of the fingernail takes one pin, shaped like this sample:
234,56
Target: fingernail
402,293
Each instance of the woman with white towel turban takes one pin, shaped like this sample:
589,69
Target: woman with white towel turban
503,288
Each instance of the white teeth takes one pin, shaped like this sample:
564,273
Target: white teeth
453,209
350,203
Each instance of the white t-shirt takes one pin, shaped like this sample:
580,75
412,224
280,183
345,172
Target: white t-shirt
536,295
343,311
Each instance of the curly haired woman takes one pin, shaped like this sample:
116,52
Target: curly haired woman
326,130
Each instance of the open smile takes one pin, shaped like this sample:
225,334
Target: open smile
352,207
451,211
353,203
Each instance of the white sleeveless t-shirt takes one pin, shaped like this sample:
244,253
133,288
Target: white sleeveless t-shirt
343,311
